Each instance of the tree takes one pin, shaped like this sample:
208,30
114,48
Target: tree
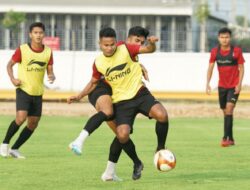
240,20
202,12
12,19
12,22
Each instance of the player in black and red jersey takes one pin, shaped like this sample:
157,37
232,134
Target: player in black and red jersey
230,63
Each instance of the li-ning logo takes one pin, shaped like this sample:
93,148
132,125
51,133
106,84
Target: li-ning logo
32,62
119,75
36,69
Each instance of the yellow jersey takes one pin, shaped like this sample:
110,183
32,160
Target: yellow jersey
32,68
122,73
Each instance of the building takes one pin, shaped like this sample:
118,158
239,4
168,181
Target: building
76,23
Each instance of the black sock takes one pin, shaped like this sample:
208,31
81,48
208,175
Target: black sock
95,121
115,150
225,128
13,128
129,148
229,124
161,130
23,137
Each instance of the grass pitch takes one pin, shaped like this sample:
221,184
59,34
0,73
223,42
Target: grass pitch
201,163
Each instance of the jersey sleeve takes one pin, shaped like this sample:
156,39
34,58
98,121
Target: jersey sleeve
17,56
96,74
51,60
213,55
133,49
120,43
240,57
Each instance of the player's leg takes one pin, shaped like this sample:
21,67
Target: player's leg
125,115
24,136
22,106
34,115
104,104
223,101
13,128
114,153
159,113
150,107
228,111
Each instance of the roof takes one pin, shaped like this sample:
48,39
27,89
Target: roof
130,7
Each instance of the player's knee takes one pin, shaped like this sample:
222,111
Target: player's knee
123,138
32,124
108,113
122,135
20,120
162,116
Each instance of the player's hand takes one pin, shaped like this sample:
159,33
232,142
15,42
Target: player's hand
73,99
152,39
51,78
144,72
208,89
16,82
237,89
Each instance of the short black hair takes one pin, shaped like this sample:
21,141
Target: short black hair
37,24
107,32
138,31
225,30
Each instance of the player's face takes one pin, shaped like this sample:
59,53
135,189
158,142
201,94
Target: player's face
224,39
108,45
138,40
37,35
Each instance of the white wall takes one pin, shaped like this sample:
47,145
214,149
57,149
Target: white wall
167,71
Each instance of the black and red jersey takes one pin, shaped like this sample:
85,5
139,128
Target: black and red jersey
227,63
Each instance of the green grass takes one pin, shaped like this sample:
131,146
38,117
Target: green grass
201,163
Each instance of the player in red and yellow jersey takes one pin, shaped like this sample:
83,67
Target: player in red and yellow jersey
34,60
230,64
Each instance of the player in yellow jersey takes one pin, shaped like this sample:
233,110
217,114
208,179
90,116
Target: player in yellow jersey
125,66
34,60
100,98
130,96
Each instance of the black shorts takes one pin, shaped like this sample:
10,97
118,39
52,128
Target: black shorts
26,102
126,111
102,88
227,95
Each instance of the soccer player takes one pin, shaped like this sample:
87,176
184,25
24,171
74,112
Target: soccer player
100,97
230,63
129,95
34,59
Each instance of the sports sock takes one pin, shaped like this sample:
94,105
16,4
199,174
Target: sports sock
225,128
129,148
110,169
13,128
23,137
81,138
95,121
115,150
229,123
161,130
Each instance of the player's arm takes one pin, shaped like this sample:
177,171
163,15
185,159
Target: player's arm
15,82
144,72
150,47
209,76
241,75
50,73
87,90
